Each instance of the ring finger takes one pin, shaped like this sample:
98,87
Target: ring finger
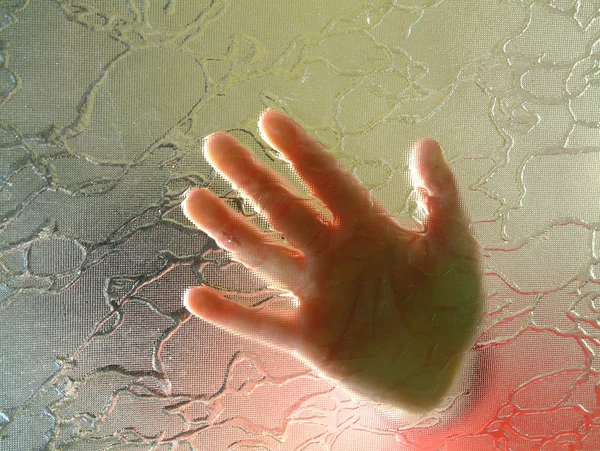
249,245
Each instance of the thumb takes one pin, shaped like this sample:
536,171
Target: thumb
433,179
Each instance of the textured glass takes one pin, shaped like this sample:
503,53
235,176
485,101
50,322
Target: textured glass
103,107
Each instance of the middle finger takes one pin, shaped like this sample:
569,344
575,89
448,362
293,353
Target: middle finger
291,215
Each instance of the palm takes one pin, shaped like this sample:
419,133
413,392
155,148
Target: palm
384,310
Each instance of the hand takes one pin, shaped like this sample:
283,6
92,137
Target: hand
386,311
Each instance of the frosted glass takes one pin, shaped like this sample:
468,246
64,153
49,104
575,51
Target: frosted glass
103,107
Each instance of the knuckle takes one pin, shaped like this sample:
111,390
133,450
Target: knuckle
277,203
319,241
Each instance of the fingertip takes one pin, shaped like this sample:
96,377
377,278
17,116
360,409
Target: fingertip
205,144
208,145
186,299
200,207
262,130
427,151
429,168
185,204
277,130
416,164
428,142
271,113
276,127
264,113
199,300
189,197
186,193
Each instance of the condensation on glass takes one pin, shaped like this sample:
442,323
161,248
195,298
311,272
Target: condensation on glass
103,109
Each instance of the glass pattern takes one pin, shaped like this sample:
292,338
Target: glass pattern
103,107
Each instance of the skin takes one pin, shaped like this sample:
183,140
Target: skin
386,311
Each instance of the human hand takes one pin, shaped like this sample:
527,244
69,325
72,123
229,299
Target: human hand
385,311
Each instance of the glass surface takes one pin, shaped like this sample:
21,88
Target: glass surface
103,107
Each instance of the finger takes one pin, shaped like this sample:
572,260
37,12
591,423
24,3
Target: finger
327,179
433,178
249,245
209,304
291,215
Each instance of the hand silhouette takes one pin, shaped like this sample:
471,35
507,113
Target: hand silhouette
386,311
